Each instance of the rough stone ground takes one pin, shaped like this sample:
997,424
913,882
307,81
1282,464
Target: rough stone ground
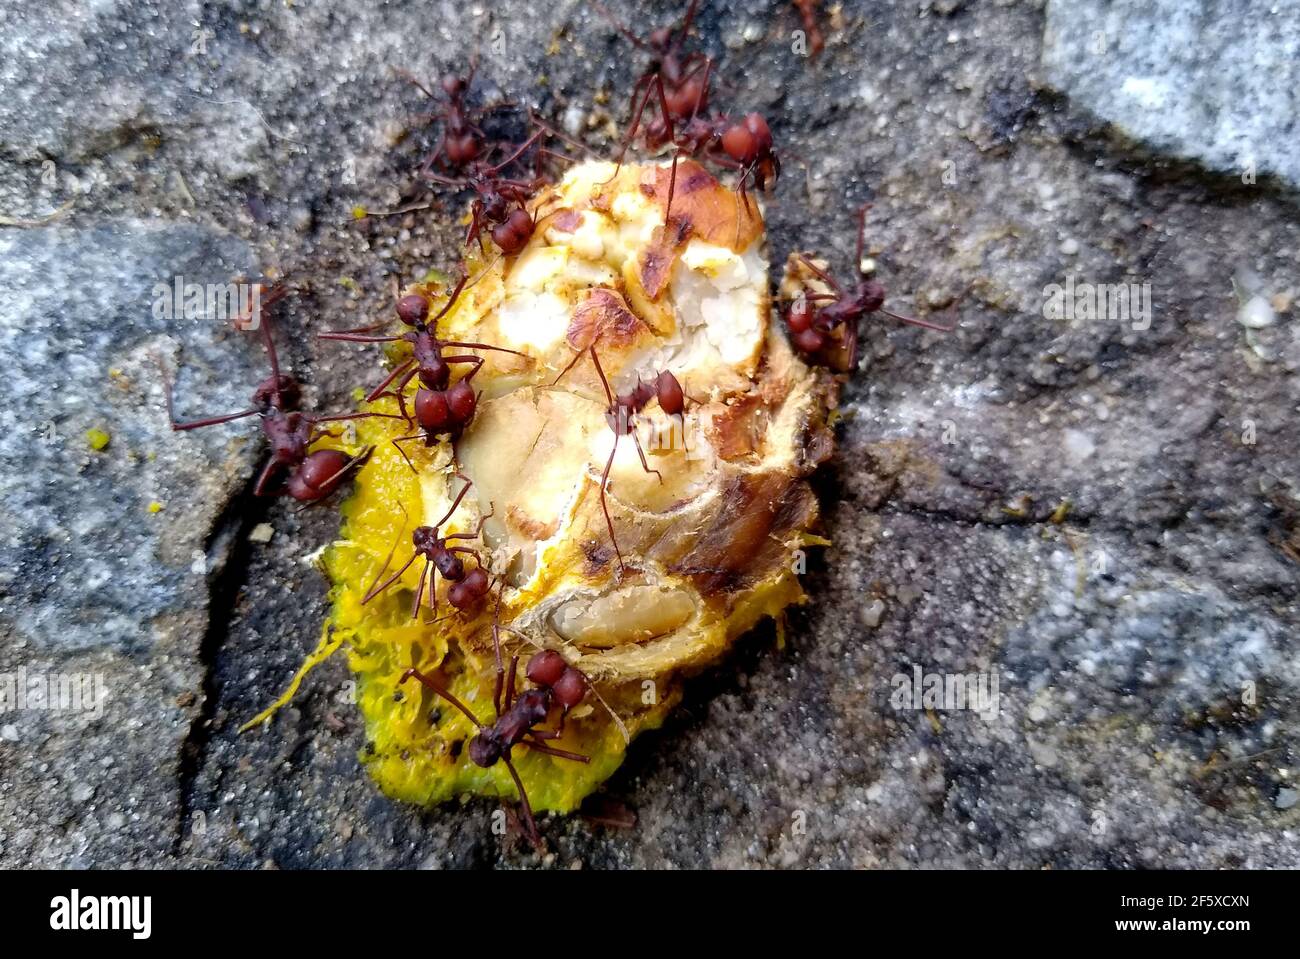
1125,638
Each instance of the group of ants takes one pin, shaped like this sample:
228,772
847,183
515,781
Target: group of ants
674,87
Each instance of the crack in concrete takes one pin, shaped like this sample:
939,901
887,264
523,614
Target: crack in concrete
230,541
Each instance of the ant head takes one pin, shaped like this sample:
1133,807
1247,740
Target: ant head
277,392
454,86
495,206
462,149
749,140
425,539
412,309
869,296
485,749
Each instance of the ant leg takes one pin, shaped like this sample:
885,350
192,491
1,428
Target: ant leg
510,682
641,453
636,122
523,148
348,336
572,363
552,751
269,470
862,232
406,439
371,591
211,421
478,530
193,424
454,503
376,590
456,344
604,481
338,417
437,688
407,367
419,592
925,324
820,274
476,360
533,835
496,650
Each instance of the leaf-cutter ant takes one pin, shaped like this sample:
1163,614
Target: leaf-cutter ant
620,414
555,683
468,587
500,202
308,476
828,334
685,78
441,408
744,145
463,140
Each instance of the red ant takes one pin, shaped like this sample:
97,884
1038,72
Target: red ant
620,413
467,587
808,14
556,683
685,78
440,408
743,144
500,203
312,476
812,327
463,140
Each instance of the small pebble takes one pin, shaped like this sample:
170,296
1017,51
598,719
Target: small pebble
1286,798
872,613
1070,246
83,792
9,733
1256,314
261,533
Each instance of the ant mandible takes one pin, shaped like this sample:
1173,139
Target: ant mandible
555,683
311,476
440,408
620,414
468,588
813,328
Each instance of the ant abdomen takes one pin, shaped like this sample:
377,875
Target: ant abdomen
513,235
468,594
672,400
318,476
